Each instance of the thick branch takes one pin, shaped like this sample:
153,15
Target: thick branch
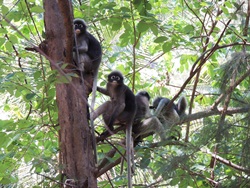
211,112
228,163
66,7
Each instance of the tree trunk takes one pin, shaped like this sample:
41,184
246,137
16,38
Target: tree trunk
75,140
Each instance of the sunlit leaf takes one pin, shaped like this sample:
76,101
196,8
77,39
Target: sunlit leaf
37,9
142,26
160,39
167,46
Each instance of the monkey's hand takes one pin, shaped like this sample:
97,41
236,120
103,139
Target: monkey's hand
103,90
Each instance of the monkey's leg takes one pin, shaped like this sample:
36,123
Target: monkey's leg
160,106
169,119
110,116
116,111
152,124
100,110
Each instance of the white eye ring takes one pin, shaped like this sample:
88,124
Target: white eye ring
80,25
112,77
76,25
117,77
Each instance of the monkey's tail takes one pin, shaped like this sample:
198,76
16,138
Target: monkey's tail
129,152
182,105
94,88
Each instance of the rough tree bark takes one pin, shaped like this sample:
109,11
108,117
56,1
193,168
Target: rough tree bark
76,151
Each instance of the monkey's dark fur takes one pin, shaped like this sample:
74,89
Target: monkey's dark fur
89,48
161,120
142,100
143,112
121,108
169,113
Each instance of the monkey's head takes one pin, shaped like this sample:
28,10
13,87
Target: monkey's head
143,94
115,77
80,26
156,102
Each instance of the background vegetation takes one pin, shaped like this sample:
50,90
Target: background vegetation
167,47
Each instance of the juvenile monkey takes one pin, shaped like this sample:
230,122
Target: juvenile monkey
119,110
169,115
145,123
142,100
161,120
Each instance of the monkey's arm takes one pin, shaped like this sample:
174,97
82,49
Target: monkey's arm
100,110
81,45
151,125
94,48
160,106
103,90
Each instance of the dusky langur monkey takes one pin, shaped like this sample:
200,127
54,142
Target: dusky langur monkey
88,48
119,110
142,100
169,114
162,118
87,53
145,123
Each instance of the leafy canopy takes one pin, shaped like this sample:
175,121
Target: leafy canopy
199,49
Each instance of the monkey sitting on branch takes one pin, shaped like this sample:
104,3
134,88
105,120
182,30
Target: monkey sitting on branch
87,48
163,117
119,110
87,53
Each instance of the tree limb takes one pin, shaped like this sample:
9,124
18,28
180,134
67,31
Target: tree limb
228,163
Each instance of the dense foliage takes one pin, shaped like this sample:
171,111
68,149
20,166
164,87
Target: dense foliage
168,47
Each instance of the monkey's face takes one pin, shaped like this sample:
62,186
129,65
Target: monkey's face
115,78
80,28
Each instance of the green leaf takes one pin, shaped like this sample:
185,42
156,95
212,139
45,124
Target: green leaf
154,29
29,96
37,9
116,26
142,26
5,9
16,137
2,41
5,181
144,162
8,46
225,10
37,74
174,181
3,30
228,4
167,46
160,39
13,39
2,138
189,29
